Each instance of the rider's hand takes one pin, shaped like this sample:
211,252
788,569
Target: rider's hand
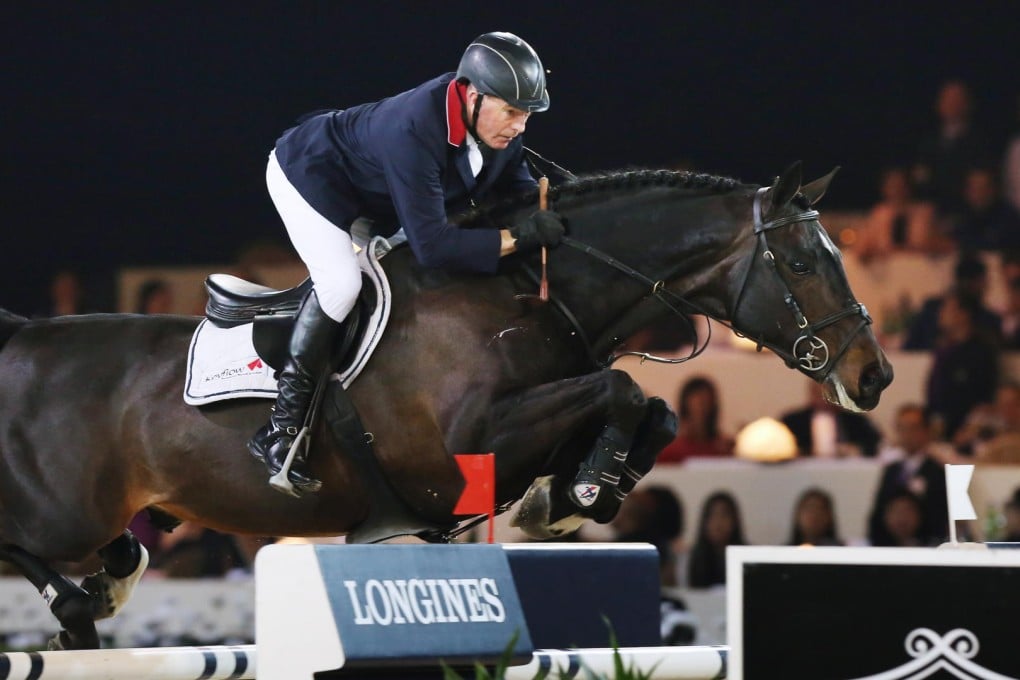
541,228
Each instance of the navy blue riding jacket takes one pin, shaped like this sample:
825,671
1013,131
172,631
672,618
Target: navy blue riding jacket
403,162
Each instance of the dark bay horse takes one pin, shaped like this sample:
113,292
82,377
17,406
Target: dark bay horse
93,427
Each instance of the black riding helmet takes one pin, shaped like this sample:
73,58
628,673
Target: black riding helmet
503,65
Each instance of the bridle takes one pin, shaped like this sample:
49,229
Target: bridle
809,353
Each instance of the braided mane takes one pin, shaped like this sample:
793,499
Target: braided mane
603,183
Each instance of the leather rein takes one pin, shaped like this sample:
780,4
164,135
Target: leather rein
809,353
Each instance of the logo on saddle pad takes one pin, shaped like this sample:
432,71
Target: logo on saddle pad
586,494
237,371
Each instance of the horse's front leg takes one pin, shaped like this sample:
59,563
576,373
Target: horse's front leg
567,416
548,509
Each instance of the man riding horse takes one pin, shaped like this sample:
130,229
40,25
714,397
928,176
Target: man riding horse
408,160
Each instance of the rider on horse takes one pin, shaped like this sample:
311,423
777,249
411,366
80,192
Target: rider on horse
404,163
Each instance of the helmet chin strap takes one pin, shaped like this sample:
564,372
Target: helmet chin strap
473,127
472,121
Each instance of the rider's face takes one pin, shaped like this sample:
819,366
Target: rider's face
498,122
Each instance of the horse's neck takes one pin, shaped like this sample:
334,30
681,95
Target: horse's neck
687,245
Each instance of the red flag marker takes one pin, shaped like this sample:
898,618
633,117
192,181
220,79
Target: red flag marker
479,495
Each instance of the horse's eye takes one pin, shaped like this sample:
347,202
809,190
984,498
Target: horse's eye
799,268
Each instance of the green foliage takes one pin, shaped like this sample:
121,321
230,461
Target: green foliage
481,672
620,670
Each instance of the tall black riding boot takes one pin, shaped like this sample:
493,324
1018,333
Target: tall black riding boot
311,346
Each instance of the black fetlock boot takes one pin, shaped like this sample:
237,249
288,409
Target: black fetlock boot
311,346
598,476
656,431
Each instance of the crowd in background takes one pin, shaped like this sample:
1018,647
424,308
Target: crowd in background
909,507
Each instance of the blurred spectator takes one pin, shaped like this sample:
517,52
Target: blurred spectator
654,514
919,474
901,520
945,156
192,551
987,421
250,545
718,526
814,519
66,295
1009,261
993,432
970,276
965,366
1011,319
824,430
898,222
1011,166
1012,512
987,222
698,434
155,296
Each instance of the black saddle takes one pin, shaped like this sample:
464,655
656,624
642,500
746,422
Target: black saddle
233,302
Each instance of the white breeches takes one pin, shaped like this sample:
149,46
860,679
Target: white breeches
325,248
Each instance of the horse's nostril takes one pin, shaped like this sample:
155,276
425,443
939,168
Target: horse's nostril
873,379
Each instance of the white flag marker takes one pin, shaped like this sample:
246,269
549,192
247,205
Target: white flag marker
960,507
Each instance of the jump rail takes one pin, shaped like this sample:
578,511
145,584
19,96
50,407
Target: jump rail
240,662
157,663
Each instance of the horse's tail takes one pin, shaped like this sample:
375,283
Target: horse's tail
10,324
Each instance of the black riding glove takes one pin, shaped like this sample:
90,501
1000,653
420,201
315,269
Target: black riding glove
542,228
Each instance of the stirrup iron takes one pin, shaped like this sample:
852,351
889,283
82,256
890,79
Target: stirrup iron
281,480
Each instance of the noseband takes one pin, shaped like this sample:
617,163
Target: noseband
809,352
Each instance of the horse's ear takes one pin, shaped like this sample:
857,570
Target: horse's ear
813,191
786,187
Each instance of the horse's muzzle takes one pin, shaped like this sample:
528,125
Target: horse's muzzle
874,378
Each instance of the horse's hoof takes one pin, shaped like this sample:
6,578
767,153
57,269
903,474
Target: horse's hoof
109,594
63,641
566,525
540,513
98,587
534,509
56,643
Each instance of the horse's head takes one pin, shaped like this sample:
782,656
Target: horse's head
792,296
641,243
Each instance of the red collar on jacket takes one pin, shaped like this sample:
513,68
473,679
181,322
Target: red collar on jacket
456,130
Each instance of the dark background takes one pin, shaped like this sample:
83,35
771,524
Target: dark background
137,132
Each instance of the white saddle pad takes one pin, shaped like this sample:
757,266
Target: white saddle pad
223,364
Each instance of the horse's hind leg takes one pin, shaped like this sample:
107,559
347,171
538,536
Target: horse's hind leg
71,605
124,562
